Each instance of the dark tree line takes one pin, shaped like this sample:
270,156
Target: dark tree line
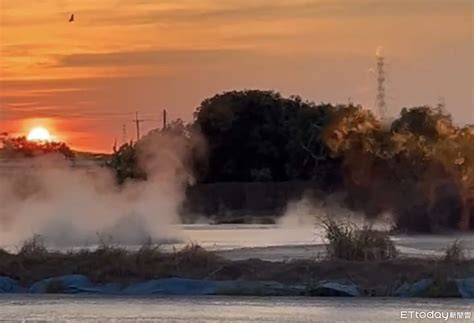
261,136
419,167
20,147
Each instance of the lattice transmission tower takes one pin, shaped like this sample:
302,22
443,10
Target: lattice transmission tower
381,78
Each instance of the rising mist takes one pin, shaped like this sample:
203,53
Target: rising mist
69,206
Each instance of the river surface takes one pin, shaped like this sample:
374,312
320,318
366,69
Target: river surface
277,243
241,242
70,309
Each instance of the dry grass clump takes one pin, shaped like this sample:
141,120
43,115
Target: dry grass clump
346,241
455,252
107,263
348,246
194,256
33,248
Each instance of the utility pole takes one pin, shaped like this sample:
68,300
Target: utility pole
164,119
137,122
124,134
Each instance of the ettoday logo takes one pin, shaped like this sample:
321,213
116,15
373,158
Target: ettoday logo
435,315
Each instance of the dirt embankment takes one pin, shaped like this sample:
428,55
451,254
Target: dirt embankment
108,264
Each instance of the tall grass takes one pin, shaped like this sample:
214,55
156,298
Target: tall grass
33,248
349,242
455,252
107,263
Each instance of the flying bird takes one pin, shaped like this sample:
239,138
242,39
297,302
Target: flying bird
71,19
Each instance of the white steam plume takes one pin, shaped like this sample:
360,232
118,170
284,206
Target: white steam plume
73,207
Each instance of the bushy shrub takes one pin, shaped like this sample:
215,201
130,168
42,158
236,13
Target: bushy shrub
347,241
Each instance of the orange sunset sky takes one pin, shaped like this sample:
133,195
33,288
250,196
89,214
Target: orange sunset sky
84,80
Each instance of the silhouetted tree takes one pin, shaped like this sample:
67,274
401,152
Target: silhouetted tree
177,147
420,167
21,147
124,162
431,123
261,136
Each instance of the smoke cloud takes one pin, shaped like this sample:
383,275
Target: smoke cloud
78,207
309,211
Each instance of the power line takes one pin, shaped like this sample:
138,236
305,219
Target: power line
139,121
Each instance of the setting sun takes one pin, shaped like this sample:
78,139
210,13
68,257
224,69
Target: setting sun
39,134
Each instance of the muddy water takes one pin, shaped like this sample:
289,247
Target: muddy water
72,309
